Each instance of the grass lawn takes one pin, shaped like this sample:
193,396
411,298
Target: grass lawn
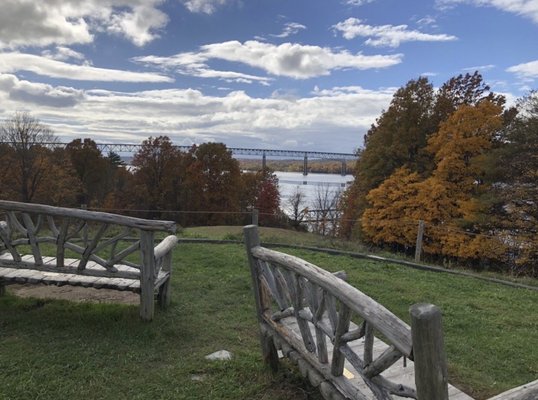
52,349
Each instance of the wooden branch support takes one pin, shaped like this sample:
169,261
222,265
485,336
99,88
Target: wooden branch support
344,318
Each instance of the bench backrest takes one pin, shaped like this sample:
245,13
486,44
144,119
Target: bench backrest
102,238
287,286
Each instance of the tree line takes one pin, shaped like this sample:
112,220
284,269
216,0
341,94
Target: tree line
461,161
314,166
203,186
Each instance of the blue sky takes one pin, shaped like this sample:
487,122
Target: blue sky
286,74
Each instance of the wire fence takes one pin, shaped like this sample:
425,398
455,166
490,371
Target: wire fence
515,251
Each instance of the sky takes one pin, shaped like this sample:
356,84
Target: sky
273,74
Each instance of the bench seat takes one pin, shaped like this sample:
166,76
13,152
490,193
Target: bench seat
65,246
72,277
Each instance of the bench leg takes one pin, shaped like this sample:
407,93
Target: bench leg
269,352
147,308
163,298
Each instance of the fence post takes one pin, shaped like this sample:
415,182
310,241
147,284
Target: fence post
420,235
255,216
431,376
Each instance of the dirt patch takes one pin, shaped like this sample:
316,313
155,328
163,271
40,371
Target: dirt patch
74,293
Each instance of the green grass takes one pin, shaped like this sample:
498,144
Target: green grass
271,235
53,349
287,236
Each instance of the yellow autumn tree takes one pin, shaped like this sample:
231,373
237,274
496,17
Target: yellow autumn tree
457,181
448,199
389,218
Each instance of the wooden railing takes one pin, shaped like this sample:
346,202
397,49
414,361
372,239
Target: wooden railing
329,311
104,245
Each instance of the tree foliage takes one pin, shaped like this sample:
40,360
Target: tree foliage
513,174
396,140
400,137
449,200
297,207
157,176
92,169
27,165
213,181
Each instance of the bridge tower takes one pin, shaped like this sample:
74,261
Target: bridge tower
344,168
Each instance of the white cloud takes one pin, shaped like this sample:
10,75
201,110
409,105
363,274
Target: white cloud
139,25
525,8
62,53
429,74
287,59
14,62
52,22
479,68
427,21
194,64
526,71
203,6
39,93
386,35
358,3
333,119
290,28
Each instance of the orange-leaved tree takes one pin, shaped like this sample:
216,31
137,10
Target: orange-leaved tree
448,200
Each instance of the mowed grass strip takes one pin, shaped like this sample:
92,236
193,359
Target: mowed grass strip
53,349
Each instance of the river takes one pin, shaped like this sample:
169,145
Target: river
309,185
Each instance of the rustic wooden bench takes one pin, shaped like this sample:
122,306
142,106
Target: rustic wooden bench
64,246
348,345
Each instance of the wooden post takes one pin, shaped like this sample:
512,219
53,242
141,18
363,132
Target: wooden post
305,165
420,235
255,216
431,376
147,276
85,228
163,297
252,239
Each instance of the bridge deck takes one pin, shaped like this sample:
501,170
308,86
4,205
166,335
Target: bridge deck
397,373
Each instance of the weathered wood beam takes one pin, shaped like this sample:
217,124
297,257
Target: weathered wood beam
31,233
431,377
4,236
147,277
71,269
344,319
381,363
165,246
139,223
528,391
91,246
